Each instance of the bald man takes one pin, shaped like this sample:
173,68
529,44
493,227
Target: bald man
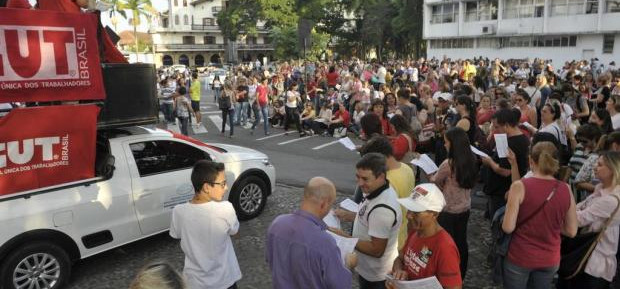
300,253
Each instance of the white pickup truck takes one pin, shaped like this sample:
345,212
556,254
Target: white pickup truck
141,175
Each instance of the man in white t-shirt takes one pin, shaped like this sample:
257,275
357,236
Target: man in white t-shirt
377,222
204,226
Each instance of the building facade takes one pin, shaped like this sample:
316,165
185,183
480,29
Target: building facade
560,30
187,33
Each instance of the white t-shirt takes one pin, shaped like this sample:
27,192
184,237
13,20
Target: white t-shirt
381,72
380,224
291,99
615,121
205,230
554,129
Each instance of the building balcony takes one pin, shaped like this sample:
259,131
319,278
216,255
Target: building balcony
254,46
189,47
205,27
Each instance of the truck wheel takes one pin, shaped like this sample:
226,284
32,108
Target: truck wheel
249,197
36,265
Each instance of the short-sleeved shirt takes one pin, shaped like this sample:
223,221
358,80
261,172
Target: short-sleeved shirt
194,90
205,230
402,180
436,255
383,223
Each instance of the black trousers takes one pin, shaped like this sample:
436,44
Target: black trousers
456,226
582,281
365,284
291,116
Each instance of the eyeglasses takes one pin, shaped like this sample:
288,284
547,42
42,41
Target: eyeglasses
222,184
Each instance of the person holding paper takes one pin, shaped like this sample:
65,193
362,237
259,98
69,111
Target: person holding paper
456,178
300,253
429,251
499,178
376,224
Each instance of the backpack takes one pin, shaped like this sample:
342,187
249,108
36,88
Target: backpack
224,101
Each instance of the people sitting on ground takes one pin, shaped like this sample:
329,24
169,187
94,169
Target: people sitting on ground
340,122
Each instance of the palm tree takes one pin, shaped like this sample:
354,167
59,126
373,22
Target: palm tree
115,8
138,9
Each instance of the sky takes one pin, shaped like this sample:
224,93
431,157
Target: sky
123,24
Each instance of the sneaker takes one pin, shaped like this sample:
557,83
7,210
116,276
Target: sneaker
267,133
302,134
198,124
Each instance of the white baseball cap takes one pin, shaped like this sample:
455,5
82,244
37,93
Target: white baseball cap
424,197
443,95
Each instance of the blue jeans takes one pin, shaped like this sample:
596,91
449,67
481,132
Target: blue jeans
264,111
241,112
184,121
217,92
516,277
166,109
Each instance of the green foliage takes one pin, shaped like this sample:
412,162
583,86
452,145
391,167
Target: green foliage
240,17
284,41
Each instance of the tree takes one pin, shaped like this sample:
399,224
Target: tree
239,17
138,9
114,9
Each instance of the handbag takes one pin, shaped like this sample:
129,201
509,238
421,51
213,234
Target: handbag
577,251
501,240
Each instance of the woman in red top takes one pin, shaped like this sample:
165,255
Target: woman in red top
378,108
429,250
534,252
404,141
485,113
332,77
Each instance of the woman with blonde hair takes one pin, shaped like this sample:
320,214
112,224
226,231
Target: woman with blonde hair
158,276
592,214
539,210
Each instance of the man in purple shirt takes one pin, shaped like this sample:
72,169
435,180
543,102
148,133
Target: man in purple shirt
300,253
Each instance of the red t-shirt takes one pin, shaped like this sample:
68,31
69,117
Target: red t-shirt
433,256
400,146
261,92
536,244
346,118
332,78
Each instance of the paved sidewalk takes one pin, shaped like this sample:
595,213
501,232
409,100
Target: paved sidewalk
116,268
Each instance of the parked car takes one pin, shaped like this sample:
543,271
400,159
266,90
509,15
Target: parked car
179,68
211,75
141,174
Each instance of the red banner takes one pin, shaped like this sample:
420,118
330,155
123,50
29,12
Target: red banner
49,56
45,146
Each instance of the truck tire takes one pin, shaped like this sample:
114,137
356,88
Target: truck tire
45,263
248,197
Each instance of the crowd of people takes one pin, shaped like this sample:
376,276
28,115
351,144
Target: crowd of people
559,180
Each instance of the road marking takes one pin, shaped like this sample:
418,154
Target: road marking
297,139
199,129
210,112
270,136
217,121
324,145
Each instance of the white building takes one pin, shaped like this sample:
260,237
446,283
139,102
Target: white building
187,33
561,30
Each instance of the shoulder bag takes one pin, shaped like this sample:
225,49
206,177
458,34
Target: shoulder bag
576,251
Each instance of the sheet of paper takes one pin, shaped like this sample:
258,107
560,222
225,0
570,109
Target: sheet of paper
529,125
426,283
331,220
426,164
350,205
346,245
501,144
347,142
478,152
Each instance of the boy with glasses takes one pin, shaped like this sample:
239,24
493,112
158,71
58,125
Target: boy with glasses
204,226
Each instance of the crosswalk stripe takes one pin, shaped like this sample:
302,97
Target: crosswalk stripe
210,112
199,129
324,145
217,121
267,137
297,139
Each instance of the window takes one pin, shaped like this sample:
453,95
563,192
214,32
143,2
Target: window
209,39
176,19
251,40
481,10
524,9
156,157
445,13
184,3
188,40
573,7
207,21
554,41
176,3
185,20
613,6
164,23
452,43
608,43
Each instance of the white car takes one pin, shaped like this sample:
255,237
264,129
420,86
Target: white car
221,73
180,68
141,175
